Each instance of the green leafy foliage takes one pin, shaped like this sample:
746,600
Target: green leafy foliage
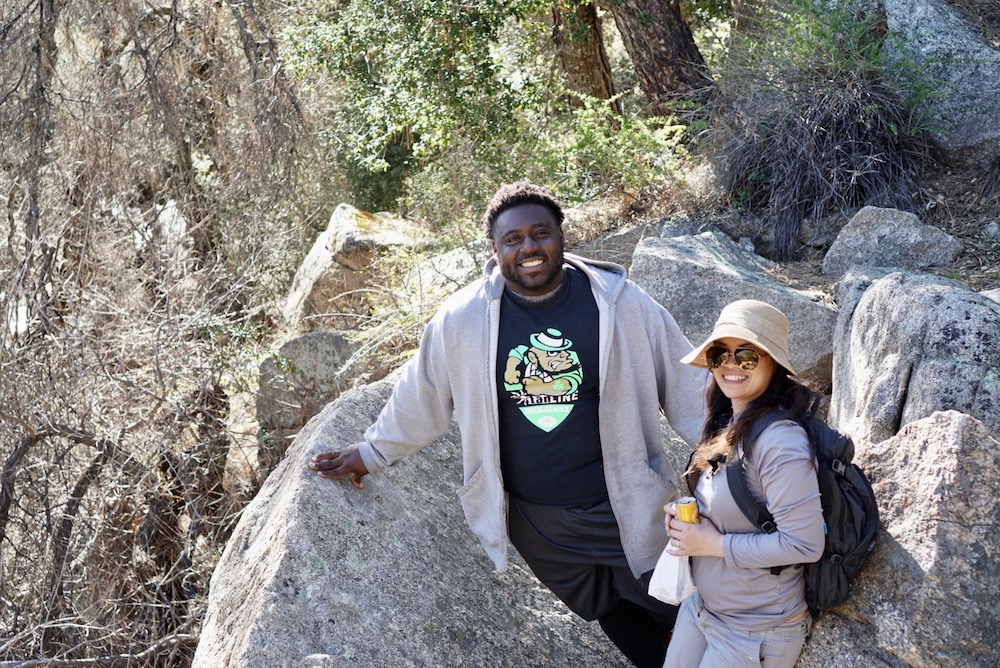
442,100
417,72
594,151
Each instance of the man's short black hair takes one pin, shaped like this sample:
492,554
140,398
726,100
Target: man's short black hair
522,192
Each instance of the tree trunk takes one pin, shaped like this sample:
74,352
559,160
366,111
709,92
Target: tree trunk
667,62
578,41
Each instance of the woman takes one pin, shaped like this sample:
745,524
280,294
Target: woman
745,614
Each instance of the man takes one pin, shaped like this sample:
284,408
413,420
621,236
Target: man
566,366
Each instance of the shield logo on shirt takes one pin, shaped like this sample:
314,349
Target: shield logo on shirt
543,378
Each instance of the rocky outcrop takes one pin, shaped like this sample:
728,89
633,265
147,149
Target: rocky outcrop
927,596
889,238
695,276
321,574
305,374
958,62
329,283
913,344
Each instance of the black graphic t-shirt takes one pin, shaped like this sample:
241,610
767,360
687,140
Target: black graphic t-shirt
548,387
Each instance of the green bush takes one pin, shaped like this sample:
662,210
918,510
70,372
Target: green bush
416,76
593,151
438,109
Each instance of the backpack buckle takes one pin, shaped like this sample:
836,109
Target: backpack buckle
836,558
839,467
767,526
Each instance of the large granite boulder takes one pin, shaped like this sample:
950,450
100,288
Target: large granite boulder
927,597
877,237
694,277
910,345
320,574
959,57
328,290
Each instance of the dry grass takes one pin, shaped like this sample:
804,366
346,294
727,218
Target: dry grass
813,152
812,122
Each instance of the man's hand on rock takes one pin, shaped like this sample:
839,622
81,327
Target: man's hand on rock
339,463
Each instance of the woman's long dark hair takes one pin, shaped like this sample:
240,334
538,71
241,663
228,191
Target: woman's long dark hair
720,438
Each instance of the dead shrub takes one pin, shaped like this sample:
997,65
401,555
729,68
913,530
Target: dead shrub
149,187
814,120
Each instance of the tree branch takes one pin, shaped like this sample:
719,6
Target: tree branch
60,542
7,479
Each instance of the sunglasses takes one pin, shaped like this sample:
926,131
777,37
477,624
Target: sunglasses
746,358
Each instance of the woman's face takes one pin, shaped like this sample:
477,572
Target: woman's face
741,385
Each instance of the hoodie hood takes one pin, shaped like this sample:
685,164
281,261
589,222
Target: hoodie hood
607,278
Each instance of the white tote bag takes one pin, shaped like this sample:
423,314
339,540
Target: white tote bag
671,581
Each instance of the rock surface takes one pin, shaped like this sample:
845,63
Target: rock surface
694,277
927,596
914,344
958,62
877,237
306,373
428,283
321,574
328,286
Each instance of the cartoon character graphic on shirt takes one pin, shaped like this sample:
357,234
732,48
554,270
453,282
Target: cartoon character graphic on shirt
543,378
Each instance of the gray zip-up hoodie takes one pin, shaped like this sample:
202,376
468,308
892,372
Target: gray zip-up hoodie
454,371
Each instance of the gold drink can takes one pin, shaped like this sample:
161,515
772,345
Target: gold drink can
687,510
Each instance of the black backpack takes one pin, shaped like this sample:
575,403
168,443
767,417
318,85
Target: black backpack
849,509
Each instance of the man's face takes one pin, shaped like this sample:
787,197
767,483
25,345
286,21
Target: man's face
529,245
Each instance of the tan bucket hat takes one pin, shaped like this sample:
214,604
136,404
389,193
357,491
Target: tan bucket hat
756,322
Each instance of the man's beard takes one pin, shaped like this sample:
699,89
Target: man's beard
512,277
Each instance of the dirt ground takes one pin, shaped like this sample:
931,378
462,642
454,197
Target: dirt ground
969,210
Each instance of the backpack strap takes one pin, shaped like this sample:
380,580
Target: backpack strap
814,406
754,511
